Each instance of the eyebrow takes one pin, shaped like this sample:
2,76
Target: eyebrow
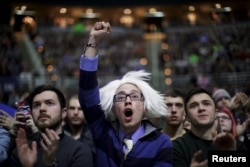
132,91
202,101
195,102
46,100
206,101
74,107
174,103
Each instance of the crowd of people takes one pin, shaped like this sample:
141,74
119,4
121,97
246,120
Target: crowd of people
10,55
129,43
213,56
11,66
205,45
127,122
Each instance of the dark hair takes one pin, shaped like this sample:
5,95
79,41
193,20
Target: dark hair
195,91
43,88
174,93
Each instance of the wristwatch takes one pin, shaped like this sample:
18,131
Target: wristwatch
89,45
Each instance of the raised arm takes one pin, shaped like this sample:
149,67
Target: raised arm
88,84
99,30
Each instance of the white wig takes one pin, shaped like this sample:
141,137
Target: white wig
154,102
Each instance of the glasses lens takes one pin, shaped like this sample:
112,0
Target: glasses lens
120,97
223,117
123,97
135,96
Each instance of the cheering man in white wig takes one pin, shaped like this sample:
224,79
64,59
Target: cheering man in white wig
119,111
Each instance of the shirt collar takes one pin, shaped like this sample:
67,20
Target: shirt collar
135,136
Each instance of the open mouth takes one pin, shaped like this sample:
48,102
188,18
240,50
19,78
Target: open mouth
128,113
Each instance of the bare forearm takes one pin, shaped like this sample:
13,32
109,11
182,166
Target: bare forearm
90,49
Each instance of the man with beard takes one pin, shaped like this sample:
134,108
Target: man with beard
118,113
174,123
76,125
192,148
51,147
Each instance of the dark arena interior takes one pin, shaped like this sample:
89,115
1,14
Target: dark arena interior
182,43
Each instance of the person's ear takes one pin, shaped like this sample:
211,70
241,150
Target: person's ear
187,117
64,113
184,116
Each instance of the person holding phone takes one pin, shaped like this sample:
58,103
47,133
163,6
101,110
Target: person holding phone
50,147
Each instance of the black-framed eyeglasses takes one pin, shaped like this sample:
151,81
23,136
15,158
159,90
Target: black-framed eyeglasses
222,117
132,96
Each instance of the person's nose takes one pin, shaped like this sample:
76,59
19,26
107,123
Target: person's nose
128,100
76,111
174,108
173,111
43,107
201,107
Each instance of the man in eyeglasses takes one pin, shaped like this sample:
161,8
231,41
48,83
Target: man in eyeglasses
118,112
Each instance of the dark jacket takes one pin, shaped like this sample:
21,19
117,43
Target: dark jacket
188,144
151,150
70,154
86,136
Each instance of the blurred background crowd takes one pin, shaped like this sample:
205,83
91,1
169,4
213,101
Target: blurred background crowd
183,44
